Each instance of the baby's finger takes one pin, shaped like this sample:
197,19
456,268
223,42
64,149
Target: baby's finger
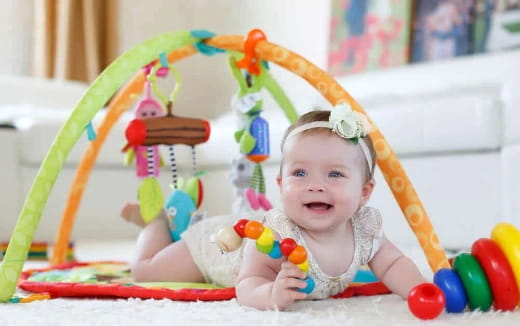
292,283
292,270
297,295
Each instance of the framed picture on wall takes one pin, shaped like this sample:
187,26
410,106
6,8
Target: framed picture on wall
497,25
368,34
442,29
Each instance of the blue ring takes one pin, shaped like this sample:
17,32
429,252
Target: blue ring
451,285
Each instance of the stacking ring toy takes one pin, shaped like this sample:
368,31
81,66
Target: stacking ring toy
474,281
499,273
231,238
450,284
508,239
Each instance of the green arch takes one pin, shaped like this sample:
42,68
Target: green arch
107,83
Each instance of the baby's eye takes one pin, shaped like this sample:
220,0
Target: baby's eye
335,174
299,173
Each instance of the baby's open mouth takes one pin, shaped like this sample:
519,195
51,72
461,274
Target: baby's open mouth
318,206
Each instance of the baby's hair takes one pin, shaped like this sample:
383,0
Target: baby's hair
323,115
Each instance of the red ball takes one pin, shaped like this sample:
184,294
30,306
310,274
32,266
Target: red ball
426,301
287,245
240,226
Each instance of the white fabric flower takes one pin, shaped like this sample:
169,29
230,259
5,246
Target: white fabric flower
347,123
366,128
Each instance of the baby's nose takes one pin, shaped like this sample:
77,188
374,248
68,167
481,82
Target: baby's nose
315,186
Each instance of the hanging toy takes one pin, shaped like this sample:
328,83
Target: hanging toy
165,130
253,138
179,208
184,200
147,158
170,130
145,109
240,177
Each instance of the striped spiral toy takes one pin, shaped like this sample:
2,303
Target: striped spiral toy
230,239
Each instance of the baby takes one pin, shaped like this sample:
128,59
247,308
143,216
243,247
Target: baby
325,180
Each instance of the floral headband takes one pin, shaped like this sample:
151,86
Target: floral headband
345,123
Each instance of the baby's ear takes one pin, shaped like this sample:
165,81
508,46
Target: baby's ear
366,191
279,180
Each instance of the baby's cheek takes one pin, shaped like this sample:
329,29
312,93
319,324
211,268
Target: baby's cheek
290,187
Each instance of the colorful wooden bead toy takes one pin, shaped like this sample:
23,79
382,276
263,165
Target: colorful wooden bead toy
230,239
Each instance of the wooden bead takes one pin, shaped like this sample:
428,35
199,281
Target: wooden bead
304,267
287,245
253,229
264,249
228,240
240,226
266,239
298,255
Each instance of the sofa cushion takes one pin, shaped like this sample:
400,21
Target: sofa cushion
511,100
40,91
40,127
466,120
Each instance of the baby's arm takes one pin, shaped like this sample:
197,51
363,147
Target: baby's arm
267,283
395,270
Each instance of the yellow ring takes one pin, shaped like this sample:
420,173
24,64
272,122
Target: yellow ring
508,239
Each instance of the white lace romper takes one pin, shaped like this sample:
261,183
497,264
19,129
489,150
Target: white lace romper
222,268
366,225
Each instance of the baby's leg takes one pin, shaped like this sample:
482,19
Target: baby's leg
158,259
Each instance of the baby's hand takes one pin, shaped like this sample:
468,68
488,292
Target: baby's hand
286,284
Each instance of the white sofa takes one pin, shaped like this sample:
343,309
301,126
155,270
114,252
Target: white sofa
455,125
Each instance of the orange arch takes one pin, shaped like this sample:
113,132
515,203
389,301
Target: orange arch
387,161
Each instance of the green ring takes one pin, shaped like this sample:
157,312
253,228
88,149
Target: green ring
475,282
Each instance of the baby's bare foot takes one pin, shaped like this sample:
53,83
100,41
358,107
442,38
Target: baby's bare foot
131,213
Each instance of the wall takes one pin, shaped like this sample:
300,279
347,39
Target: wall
16,31
299,25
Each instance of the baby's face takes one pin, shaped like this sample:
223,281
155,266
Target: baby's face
321,181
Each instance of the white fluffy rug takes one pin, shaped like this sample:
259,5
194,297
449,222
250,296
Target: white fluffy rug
375,310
